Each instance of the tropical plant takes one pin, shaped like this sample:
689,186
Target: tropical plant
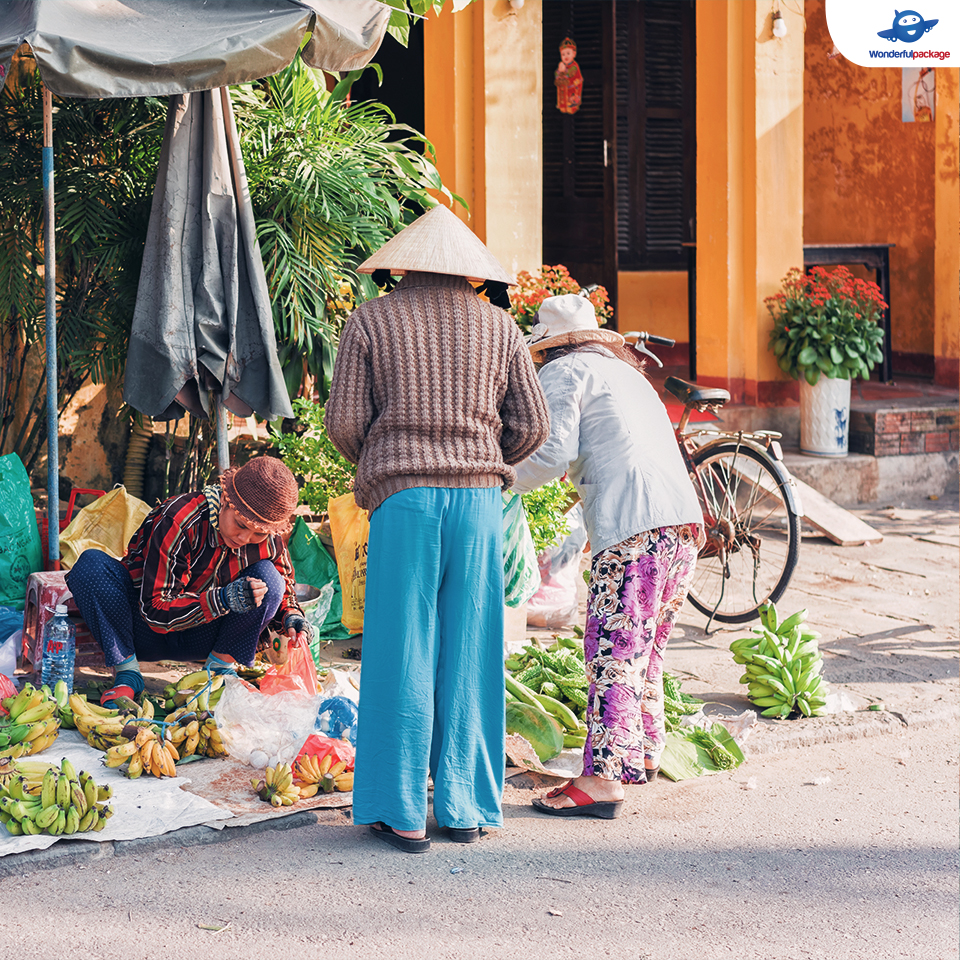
104,169
330,182
826,323
323,472
532,289
546,509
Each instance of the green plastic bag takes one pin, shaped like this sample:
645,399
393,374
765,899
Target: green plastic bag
20,550
521,572
313,565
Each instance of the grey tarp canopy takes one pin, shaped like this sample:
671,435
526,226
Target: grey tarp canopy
109,48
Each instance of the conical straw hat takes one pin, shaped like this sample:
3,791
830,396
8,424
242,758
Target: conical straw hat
438,242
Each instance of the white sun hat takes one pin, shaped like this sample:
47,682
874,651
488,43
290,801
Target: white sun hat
438,242
569,318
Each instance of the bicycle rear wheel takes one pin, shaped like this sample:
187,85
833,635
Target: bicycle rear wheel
753,534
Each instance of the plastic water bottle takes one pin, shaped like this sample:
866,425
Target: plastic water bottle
59,649
337,716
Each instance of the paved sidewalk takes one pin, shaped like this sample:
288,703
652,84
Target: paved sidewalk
888,615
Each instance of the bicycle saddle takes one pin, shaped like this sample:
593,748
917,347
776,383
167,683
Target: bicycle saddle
688,392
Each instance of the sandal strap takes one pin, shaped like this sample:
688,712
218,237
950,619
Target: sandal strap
579,798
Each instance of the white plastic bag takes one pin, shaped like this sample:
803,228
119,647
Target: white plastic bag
556,603
261,730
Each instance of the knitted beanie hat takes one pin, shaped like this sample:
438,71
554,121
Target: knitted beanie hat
263,492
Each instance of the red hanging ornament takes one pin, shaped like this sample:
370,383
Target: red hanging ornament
568,79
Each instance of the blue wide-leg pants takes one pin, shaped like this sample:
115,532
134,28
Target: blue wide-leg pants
431,687
109,602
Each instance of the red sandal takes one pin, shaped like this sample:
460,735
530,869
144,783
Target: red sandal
584,804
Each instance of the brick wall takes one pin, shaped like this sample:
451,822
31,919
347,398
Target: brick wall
891,432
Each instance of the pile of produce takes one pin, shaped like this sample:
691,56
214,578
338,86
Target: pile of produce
39,798
695,746
31,722
198,690
277,786
143,744
323,773
783,666
547,696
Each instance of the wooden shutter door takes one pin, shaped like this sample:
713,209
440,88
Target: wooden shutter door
579,150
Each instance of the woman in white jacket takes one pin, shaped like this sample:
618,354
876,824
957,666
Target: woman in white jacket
611,435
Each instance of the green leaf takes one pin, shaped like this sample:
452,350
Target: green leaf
807,356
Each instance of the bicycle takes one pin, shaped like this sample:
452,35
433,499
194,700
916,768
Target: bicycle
751,511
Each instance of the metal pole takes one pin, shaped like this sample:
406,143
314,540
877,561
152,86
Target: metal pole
50,328
223,440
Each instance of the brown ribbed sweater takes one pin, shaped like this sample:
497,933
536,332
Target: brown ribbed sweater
433,387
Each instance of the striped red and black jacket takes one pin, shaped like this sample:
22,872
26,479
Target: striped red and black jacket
179,562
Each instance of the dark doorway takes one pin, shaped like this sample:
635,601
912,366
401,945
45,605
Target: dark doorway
402,87
619,175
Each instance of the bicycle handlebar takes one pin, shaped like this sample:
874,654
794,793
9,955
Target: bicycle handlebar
642,336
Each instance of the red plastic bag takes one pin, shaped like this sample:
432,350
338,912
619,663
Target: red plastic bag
319,746
298,673
7,689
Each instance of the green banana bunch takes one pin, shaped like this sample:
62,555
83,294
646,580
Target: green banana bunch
57,801
782,665
32,723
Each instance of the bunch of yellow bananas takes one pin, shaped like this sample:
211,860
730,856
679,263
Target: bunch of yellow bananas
103,727
145,753
197,691
277,787
44,798
323,774
31,724
193,732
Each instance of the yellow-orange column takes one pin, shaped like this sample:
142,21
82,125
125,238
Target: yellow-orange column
946,304
482,99
749,190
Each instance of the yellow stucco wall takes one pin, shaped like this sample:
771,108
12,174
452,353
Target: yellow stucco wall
946,303
869,177
749,189
654,301
482,99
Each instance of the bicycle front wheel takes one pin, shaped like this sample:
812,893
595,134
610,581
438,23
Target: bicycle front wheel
753,534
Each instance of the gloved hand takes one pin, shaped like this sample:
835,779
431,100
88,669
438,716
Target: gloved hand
238,595
296,623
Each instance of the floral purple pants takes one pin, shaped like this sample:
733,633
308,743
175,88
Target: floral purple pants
636,591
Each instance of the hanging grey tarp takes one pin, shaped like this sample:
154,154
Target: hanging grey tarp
141,48
202,320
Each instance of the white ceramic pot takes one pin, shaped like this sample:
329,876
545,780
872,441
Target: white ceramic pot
824,417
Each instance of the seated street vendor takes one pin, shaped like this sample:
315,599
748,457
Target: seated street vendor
203,577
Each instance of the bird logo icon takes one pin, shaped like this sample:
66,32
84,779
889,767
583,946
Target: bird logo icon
908,26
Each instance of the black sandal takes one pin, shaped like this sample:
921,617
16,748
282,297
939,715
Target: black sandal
463,834
406,844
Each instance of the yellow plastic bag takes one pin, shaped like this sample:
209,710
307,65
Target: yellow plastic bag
107,524
350,528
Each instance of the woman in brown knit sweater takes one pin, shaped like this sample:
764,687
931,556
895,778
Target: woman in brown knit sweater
434,397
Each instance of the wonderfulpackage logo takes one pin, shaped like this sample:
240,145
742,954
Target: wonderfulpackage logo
877,33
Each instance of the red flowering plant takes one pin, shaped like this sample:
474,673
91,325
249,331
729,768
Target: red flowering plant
532,290
826,323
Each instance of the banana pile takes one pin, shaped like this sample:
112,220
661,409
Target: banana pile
144,744
277,787
31,724
42,798
194,733
315,775
145,753
783,664
198,690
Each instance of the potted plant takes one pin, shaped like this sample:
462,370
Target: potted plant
825,332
